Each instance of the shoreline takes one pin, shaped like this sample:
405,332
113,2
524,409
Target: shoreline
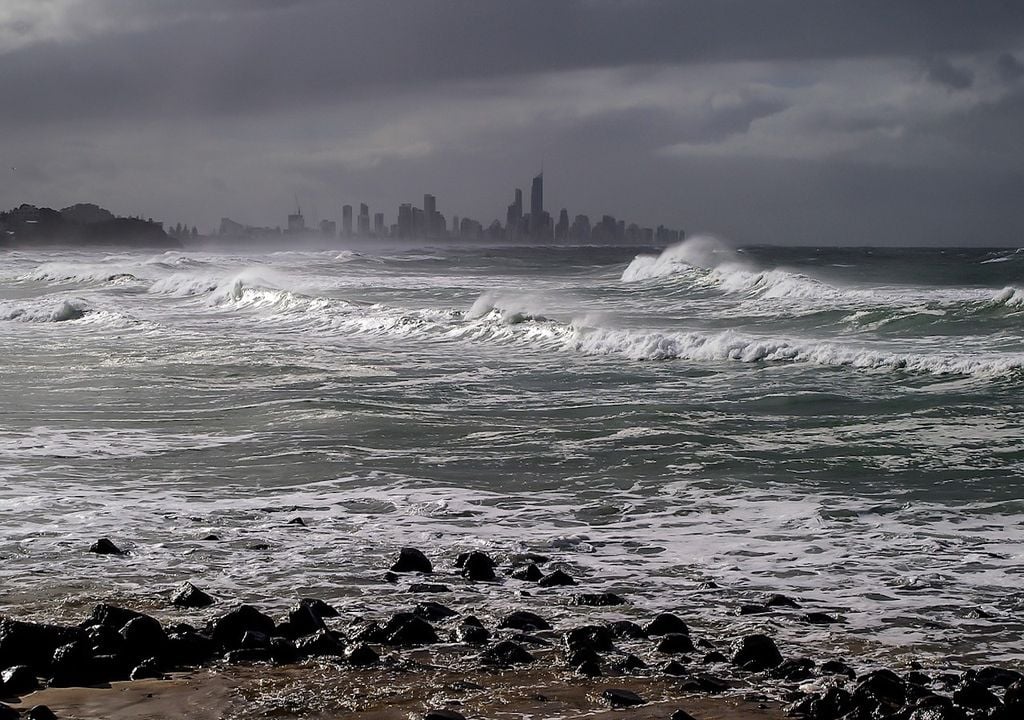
318,662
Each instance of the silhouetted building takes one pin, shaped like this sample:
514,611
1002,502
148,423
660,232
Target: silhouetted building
346,220
379,229
580,230
296,223
328,228
455,225
405,220
364,220
514,217
537,199
562,228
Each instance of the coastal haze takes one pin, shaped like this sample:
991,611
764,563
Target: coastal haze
698,302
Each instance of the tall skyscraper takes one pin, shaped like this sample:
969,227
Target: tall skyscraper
378,225
514,217
405,220
364,220
562,228
346,220
537,200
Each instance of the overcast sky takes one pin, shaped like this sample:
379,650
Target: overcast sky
780,121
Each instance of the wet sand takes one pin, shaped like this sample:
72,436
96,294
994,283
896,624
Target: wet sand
326,692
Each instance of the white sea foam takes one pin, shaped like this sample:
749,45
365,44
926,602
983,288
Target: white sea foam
43,310
1008,297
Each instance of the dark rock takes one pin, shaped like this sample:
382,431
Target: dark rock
597,600
297,521
820,618
147,669
412,560
110,667
209,538
319,608
530,573
999,677
443,714
631,662
627,630
619,698
254,640
666,623
752,609
714,657
110,616
974,695
704,683
187,648
227,631
675,643
408,630
884,687
429,588
303,620
675,668
18,680
471,634
1014,696
831,704
507,653
433,611
104,639
591,637
530,557
681,715
8,713
33,644
588,668
708,585
103,546
778,600
557,578
756,653
794,670
40,712
143,637
524,620
478,566
837,667
283,651
390,577
361,655
72,666
918,678
319,644
527,639
189,596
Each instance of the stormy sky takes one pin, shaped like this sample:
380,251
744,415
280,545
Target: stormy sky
779,121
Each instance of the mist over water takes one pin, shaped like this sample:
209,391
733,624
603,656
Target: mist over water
842,425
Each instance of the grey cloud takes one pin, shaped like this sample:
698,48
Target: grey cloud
943,72
1010,68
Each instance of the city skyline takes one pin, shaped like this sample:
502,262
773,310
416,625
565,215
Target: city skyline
861,123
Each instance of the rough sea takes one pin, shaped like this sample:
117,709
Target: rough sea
692,428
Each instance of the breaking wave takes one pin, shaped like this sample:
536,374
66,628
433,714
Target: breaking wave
44,311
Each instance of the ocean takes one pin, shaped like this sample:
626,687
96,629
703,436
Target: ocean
692,427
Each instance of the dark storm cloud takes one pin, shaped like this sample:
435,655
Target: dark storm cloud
1010,68
228,56
943,72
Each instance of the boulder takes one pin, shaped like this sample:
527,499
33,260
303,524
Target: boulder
18,680
433,611
756,653
619,698
319,608
8,713
778,600
471,634
407,630
881,688
304,620
187,648
627,630
820,618
148,669
40,712
72,666
144,637
110,616
478,566
227,630
319,644
524,620
443,714
681,715
794,670
188,595
588,668
411,560
675,643
557,578
103,546
974,695
529,573
591,637
675,668
666,623
752,609
425,588
33,644
361,655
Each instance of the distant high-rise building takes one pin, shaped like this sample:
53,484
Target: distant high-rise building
580,230
419,223
346,220
364,220
562,228
537,200
405,227
379,229
514,217
429,204
296,223
328,228
455,225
